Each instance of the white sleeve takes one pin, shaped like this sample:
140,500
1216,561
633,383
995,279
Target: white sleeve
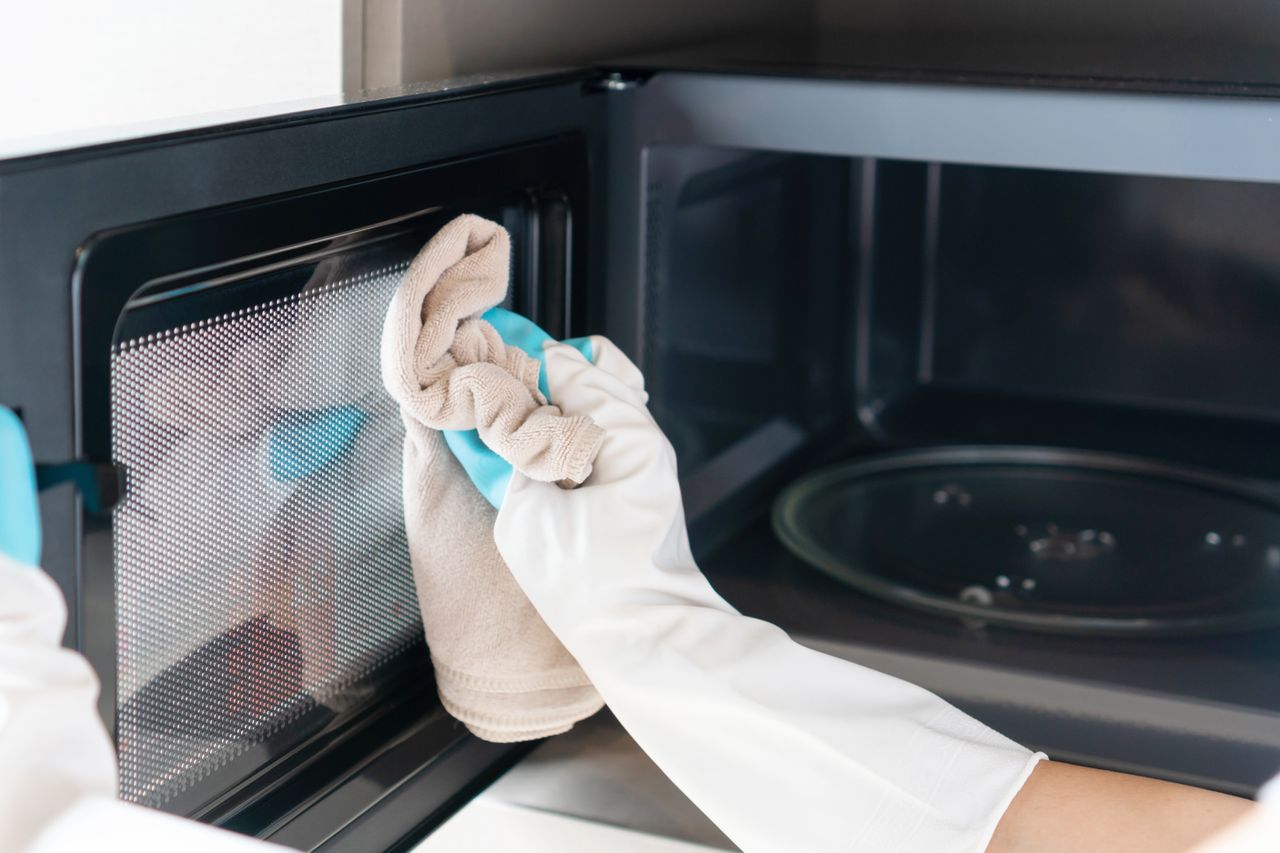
106,825
53,747
1269,796
785,748
57,765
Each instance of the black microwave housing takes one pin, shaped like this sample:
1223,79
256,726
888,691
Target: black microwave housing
866,142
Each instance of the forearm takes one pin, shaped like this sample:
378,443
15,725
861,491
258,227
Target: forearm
1068,809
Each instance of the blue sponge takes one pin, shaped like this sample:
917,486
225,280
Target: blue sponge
487,470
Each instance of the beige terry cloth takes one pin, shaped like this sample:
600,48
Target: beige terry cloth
499,669
449,369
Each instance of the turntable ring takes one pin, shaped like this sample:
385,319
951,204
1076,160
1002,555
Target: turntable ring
1044,539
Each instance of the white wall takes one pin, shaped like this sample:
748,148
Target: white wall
67,65
73,65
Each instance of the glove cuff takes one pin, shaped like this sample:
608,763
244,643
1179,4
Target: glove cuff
581,446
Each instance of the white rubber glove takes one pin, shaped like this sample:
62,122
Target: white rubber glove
53,747
57,767
784,748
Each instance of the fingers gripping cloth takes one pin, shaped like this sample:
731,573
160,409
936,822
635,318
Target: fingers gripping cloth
449,369
498,668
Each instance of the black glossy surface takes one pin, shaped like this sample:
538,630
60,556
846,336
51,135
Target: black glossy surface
758,574
320,174
154,277
379,781
746,317
94,142
1152,292
288,780
1032,306
50,205
1011,54
236,241
419,797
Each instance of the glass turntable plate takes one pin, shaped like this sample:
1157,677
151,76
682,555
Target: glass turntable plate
1043,539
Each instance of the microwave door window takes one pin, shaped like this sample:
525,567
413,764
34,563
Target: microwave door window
261,566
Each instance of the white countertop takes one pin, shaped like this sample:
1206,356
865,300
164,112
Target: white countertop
590,789
485,824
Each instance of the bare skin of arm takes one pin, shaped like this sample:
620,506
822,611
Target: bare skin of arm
1064,808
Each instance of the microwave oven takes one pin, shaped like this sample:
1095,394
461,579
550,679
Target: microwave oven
892,260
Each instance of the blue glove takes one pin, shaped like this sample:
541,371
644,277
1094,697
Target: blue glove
489,472
19,509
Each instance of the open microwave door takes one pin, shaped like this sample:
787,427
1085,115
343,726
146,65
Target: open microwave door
189,334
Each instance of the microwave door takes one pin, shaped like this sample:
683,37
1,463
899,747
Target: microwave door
184,321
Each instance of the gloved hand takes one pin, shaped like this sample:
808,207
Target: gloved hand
785,748
488,471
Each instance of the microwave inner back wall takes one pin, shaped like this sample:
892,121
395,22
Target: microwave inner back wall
808,270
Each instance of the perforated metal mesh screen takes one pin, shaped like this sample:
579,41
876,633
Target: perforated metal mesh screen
260,562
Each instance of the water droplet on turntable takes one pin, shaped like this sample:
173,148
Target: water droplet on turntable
952,491
977,595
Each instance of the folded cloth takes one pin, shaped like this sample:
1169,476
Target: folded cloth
450,369
498,668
